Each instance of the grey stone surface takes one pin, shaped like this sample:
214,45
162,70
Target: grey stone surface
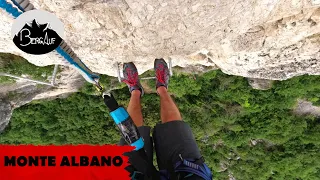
265,39
261,84
16,95
307,108
5,113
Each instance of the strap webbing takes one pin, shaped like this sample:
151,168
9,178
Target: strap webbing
190,167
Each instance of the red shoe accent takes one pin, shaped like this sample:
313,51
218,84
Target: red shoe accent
160,73
132,78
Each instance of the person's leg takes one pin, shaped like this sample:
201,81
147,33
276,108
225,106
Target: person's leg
169,110
131,78
134,108
173,138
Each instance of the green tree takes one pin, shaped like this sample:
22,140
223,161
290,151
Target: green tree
224,112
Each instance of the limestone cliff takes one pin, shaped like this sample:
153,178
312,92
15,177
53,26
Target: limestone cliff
265,39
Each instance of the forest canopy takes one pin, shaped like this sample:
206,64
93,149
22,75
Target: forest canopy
16,65
242,132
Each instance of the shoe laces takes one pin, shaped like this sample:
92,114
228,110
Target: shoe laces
160,73
132,77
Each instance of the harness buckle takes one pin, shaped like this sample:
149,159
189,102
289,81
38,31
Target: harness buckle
181,157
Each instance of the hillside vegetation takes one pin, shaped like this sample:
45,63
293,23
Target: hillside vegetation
18,66
246,133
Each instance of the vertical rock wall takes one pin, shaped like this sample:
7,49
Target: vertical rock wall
265,39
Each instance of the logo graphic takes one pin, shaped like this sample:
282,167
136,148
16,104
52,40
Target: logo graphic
37,32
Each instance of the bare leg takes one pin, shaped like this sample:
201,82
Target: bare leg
134,108
169,110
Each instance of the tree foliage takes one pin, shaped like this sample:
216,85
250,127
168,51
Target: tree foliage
246,133
17,65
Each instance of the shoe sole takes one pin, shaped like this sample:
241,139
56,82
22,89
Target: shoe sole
130,64
161,61
157,61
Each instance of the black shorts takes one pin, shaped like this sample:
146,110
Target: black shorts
171,140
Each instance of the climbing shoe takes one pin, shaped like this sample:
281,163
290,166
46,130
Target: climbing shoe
162,73
131,77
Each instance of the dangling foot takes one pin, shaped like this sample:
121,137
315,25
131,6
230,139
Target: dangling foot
131,77
162,73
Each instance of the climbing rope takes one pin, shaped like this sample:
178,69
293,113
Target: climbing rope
9,8
23,5
63,50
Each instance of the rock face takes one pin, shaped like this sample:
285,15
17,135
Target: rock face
262,84
266,39
5,114
15,95
306,108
